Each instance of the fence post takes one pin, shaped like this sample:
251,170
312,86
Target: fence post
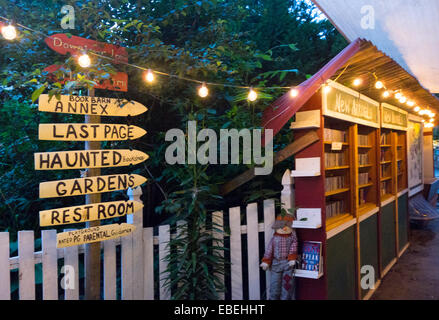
137,220
287,195
5,271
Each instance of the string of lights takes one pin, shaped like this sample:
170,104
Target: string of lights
9,32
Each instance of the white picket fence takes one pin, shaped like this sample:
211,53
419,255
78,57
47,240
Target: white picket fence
137,257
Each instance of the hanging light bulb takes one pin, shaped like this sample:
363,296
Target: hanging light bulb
432,120
432,115
326,89
417,108
84,61
386,94
398,95
203,91
252,95
357,82
379,85
422,112
410,103
149,76
403,99
9,32
294,93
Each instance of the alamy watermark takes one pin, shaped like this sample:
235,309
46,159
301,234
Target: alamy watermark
368,17
202,147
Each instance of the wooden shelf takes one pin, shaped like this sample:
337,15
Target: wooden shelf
337,168
385,162
334,192
338,220
365,185
386,178
386,146
366,208
331,142
308,274
365,147
365,166
386,197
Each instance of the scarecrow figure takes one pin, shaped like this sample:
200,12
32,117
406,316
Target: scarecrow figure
280,256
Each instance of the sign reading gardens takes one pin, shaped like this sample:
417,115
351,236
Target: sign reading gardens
85,159
393,117
346,104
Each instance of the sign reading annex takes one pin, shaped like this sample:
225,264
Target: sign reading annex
393,117
85,105
88,132
346,104
87,159
94,234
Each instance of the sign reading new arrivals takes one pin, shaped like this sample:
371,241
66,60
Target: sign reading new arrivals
344,103
393,117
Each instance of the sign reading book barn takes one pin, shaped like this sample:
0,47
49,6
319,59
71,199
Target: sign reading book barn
89,159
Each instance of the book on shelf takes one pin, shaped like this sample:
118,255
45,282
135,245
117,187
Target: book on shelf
363,159
334,135
334,208
362,196
311,256
385,139
363,140
363,178
334,183
384,187
334,159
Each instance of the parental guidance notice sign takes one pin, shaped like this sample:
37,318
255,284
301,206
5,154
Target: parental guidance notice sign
85,105
83,159
74,45
94,234
344,103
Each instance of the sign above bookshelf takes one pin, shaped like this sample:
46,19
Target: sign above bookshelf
393,117
346,104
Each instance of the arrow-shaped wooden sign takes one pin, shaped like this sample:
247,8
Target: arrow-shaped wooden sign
91,185
98,106
88,212
94,234
82,159
88,132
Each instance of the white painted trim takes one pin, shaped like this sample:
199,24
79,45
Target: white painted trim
387,201
368,214
416,190
340,228
389,266
372,291
402,193
403,250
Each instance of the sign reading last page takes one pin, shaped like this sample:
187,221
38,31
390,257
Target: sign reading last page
98,106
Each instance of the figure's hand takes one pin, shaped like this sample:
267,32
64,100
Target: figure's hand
291,263
264,266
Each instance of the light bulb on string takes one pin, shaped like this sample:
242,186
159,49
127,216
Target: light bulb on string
432,120
252,95
417,108
9,32
149,76
357,82
410,103
294,93
398,95
203,91
403,99
84,61
386,94
379,85
326,89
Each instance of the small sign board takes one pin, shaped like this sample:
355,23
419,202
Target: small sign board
75,45
88,212
93,234
393,117
88,132
336,146
91,185
86,105
82,159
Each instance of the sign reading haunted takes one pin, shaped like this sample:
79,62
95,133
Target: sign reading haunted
346,104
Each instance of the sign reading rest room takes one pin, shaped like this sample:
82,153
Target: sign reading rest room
344,103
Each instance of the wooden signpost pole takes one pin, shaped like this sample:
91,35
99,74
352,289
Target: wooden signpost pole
92,250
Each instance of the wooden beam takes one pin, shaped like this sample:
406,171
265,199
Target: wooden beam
290,150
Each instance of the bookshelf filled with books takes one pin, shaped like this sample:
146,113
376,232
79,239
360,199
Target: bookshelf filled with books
401,161
386,165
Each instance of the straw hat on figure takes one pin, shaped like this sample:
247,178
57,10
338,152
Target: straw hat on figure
280,256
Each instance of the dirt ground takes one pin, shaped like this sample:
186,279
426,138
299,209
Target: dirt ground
416,275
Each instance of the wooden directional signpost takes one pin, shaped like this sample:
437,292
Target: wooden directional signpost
92,158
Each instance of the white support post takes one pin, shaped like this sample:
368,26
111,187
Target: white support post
287,195
137,220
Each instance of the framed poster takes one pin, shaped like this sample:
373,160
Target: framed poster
415,156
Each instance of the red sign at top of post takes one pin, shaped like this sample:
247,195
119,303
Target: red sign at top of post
74,45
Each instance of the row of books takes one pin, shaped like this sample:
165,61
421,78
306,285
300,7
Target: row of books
363,140
383,156
363,159
386,171
363,178
385,138
334,208
334,135
334,159
384,187
362,196
334,183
